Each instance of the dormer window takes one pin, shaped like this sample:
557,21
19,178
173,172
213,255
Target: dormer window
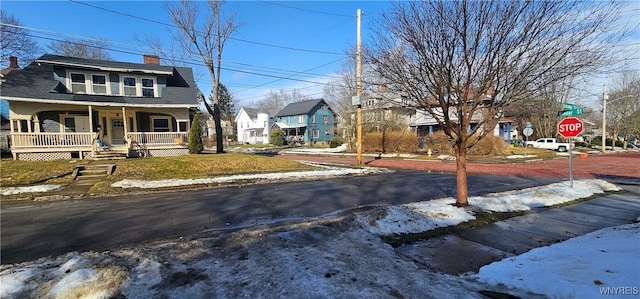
78,83
129,86
99,84
147,88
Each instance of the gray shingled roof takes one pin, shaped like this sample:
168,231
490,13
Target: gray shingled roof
37,82
252,112
299,108
105,64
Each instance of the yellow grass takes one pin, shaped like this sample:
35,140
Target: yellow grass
14,173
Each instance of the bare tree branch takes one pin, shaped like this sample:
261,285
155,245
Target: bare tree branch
460,59
204,39
14,40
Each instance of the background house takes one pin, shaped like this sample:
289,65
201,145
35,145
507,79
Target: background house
254,125
59,106
306,121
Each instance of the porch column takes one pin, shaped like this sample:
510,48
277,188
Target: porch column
126,127
93,144
91,119
36,124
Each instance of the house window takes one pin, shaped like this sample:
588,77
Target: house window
315,133
78,84
99,84
160,124
147,88
313,119
325,119
129,85
69,124
300,119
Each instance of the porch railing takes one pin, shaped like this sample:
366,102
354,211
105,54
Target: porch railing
26,140
158,138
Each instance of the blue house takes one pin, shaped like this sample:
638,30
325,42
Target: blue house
309,121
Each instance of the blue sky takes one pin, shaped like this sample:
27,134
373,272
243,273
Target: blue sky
319,26
322,26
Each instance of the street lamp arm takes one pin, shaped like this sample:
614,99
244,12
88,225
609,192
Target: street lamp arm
620,98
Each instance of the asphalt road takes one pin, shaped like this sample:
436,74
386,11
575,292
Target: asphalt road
31,230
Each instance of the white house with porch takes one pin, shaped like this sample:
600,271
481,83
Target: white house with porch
254,125
64,107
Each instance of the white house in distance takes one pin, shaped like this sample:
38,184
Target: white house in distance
253,125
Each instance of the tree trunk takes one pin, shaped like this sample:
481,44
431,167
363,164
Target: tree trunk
216,120
462,193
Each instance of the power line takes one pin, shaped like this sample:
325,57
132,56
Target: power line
230,38
308,10
289,78
105,47
200,64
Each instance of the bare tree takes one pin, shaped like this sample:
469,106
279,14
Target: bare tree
338,94
279,99
204,39
458,59
624,108
15,40
84,48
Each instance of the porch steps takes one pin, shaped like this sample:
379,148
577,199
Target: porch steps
109,155
93,171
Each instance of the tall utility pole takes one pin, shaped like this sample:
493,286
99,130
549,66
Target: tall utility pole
359,85
605,97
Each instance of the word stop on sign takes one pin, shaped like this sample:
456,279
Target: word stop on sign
570,127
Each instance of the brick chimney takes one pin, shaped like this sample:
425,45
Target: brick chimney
13,62
13,65
151,59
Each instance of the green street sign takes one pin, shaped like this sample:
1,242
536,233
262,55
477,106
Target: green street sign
529,125
572,112
567,106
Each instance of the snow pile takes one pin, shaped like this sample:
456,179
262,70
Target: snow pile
604,262
328,171
27,189
427,215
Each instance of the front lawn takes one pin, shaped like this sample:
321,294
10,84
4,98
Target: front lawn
16,173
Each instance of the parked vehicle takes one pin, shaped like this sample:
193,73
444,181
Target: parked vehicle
549,143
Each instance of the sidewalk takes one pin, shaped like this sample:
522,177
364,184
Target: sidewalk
469,250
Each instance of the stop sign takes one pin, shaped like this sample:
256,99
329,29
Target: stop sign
570,127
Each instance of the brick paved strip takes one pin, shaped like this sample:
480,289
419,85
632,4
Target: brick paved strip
622,165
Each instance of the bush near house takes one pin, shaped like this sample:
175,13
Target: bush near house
390,142
277,138
490,145
335,142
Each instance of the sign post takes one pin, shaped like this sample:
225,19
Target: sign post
570,127
528,131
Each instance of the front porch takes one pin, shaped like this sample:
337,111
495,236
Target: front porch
72,145
55,131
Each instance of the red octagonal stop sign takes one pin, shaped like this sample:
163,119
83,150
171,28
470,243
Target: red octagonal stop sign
570,127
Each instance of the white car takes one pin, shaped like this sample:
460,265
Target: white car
549,143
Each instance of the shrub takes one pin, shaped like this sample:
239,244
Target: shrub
488,146
335,142
195,136
390,142
438,142
277,138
